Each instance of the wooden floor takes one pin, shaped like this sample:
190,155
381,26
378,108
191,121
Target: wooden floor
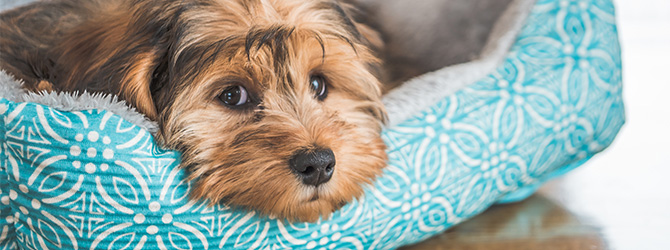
621,198
539,222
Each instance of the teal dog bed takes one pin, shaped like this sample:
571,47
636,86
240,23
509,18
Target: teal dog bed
83,172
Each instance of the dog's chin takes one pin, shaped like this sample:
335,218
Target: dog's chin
319,202
316,206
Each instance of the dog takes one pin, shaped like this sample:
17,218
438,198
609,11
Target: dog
274,104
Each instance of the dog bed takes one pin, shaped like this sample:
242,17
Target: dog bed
83,171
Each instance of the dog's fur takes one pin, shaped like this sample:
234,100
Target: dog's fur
171,59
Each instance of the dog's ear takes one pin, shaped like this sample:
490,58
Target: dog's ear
119,54
136,85
148,73
371,35
356,18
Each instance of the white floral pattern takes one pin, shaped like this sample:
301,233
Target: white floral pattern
91,180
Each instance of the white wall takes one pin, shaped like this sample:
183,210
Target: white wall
626,189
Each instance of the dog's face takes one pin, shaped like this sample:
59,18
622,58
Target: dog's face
271,102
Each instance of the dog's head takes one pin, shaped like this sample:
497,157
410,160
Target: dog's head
272,102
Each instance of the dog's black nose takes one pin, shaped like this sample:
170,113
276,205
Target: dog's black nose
314,167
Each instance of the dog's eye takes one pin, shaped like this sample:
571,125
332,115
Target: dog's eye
318,85
234,96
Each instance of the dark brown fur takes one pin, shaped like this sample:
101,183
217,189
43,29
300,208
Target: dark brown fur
171,59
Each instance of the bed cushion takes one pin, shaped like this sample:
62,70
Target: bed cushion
91,179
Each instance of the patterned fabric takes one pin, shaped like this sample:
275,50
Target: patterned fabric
90,180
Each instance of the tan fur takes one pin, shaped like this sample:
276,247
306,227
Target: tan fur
240,157
134,84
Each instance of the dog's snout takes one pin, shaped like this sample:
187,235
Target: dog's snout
314,167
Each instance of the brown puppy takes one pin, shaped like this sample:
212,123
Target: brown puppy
272,102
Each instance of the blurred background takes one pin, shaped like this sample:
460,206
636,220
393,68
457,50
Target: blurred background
621,198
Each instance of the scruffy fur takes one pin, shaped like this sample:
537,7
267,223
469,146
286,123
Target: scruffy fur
171,59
